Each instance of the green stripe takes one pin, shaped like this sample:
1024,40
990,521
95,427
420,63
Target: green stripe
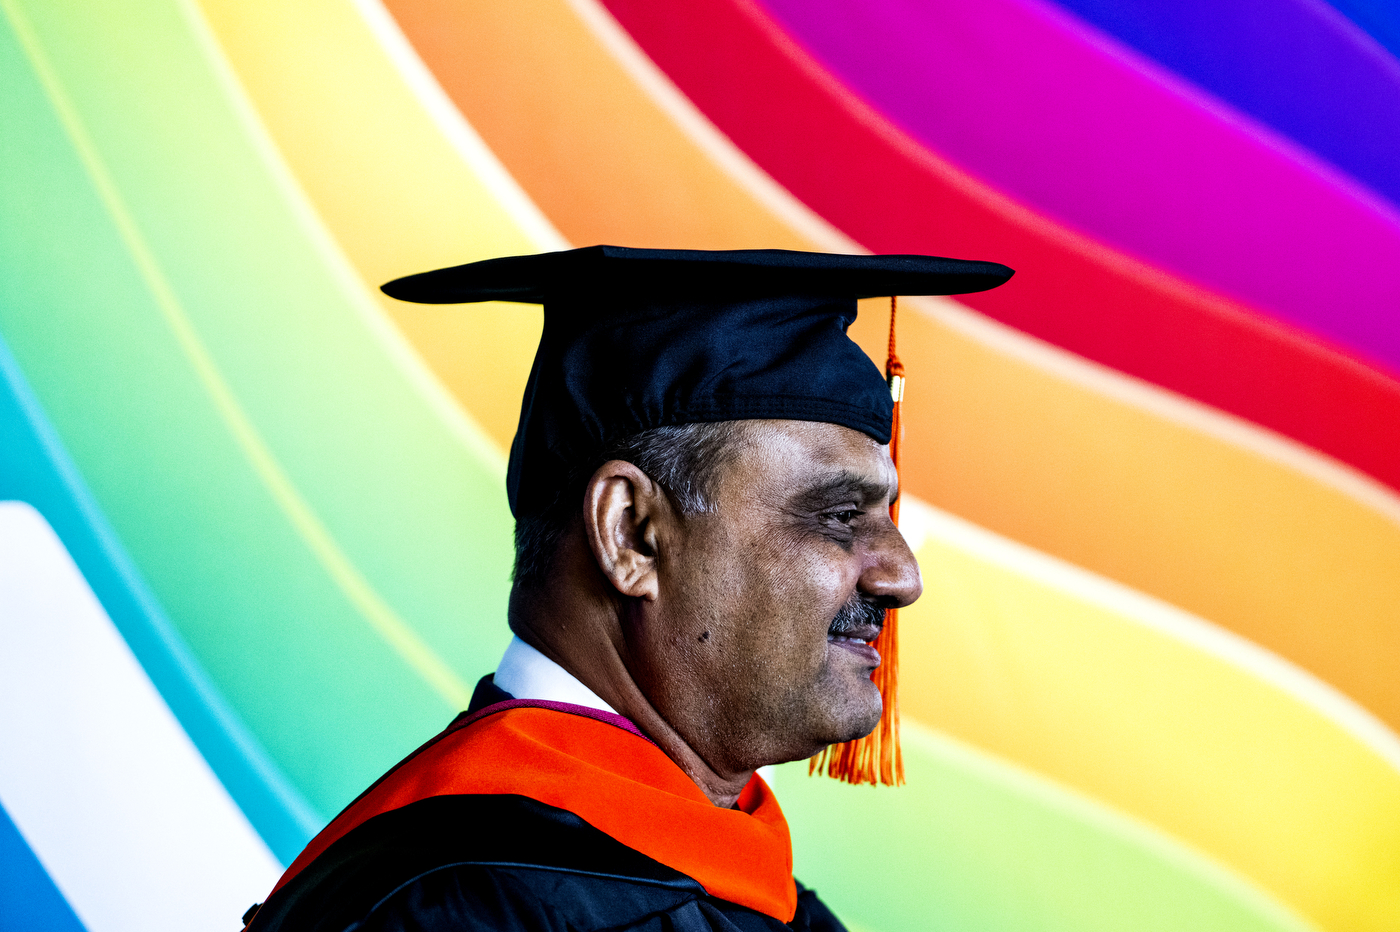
356,588
233,415
975,844
417,511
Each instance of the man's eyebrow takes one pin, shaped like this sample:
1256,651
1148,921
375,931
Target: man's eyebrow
843,486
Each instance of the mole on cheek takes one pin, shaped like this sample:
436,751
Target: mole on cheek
704,637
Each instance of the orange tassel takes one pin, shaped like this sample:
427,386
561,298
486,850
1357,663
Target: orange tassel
876,758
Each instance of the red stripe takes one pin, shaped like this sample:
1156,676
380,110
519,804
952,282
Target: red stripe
850,164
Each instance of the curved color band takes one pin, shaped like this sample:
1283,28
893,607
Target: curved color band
1304,69
1020,451
1087,132
896,196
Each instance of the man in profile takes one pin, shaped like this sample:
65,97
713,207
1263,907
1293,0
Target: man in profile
704,557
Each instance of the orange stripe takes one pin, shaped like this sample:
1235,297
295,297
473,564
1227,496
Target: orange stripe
1253,545
598,156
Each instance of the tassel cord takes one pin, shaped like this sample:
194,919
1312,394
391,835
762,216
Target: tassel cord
877,758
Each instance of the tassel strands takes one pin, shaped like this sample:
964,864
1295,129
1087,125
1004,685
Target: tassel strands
876,759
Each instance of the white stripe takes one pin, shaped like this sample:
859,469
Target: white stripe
457,131
919,522
103,783
1165,404
706,137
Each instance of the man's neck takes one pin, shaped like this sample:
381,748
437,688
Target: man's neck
609,677
526,673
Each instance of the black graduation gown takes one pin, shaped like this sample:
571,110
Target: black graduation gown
502,863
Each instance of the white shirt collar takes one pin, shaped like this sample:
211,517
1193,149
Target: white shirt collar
526,673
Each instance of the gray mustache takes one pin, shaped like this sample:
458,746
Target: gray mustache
855,614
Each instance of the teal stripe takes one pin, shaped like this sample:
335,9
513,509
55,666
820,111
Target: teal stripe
977,845
34,468
250,440
416,511
315,684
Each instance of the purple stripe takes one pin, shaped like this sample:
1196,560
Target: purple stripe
1062,117
609,718
1297,65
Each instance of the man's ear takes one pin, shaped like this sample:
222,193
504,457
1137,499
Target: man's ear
623,512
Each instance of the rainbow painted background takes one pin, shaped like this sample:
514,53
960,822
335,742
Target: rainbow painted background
254,544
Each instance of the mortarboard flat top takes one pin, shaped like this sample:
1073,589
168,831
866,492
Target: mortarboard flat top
600,270
641,338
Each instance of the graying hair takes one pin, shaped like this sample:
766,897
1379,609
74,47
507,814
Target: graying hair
685,460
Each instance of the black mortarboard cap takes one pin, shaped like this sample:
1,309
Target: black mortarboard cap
641,338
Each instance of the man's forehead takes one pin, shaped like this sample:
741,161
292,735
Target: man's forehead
820,460
859,467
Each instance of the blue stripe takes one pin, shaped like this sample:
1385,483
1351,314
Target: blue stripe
1295,65
28,898
35,468
1380,19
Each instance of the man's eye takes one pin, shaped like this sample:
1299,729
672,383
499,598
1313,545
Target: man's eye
846,516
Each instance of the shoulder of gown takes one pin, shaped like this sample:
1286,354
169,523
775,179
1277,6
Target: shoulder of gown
502,862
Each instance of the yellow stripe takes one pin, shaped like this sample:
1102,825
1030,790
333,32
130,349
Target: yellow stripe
397,176
1159,714
1203,510
357,589
362,296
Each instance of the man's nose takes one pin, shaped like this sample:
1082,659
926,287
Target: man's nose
891,575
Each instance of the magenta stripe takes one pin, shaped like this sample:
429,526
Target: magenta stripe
1060,116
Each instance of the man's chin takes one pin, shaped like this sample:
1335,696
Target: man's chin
859,715
849,731
865,727
849,712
